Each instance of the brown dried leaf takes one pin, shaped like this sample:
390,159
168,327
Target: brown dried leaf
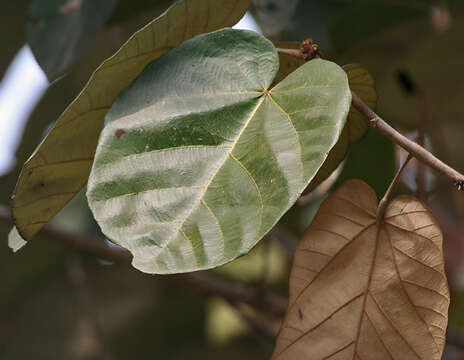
363,291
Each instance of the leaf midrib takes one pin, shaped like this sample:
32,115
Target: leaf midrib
206,186
229,154
290,307
367,292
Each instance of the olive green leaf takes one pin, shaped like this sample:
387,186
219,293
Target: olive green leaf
60,166
199,159
362,83
59,31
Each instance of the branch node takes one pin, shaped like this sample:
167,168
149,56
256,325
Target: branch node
309,50
411,147
373,122
459,184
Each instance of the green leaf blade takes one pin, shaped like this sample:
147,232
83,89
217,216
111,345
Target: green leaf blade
202,178
60,166
316,99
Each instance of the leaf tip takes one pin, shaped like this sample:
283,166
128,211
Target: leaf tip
15,241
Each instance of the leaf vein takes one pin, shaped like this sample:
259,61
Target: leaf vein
417,260
342,217
413,233
305,333
373,215
298,140
328,263
48,196
393,325
338,351
368,285
60,162
150,190
303,87
408,296
433,310
61,122
217,222
205,188
252,179
379,337
316,252
426,288
405,213
306,268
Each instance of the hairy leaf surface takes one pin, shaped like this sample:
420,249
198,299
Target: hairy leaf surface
359,290
60,166
199,159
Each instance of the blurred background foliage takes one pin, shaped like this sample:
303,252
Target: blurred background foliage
57,302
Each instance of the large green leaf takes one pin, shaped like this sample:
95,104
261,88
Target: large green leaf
199,159
60,166
59,31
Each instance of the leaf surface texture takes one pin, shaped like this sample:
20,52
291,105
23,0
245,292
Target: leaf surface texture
362,83
363,291
199,159
60,166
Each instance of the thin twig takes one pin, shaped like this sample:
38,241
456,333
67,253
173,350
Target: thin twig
411,147
291,52
383,203
257,325
206,282
421,170
269,303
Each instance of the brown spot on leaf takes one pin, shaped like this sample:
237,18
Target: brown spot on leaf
119,132
300,314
